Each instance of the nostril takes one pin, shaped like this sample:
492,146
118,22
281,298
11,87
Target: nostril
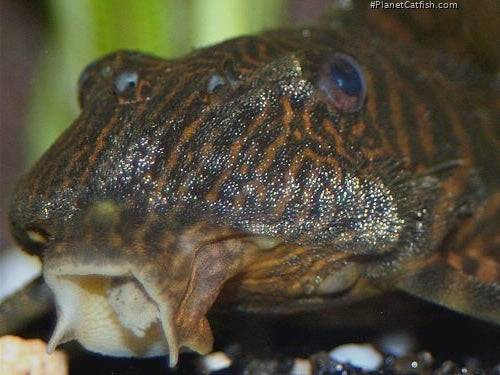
32,239
37,236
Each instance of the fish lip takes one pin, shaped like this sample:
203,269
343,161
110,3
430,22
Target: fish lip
110,270
83,308
182,298
57,271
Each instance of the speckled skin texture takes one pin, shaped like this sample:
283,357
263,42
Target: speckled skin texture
236,169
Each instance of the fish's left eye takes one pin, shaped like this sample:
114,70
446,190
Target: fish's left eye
124,82
343,83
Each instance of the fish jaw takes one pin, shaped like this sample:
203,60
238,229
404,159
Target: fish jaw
132,307
107,311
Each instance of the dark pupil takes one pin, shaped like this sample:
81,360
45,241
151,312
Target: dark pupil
125,81
346,77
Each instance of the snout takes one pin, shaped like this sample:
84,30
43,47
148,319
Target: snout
89,266
128,283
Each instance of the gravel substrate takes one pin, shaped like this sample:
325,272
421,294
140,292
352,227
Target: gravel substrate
421,363
436,341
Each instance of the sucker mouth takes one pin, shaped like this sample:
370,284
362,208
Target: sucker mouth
108,315
111,315
138,310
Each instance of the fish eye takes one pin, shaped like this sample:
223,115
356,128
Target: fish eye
229,77
215,82
343,82
125,81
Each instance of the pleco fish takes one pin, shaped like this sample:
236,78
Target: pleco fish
290,170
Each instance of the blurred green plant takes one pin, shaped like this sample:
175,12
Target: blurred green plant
80,31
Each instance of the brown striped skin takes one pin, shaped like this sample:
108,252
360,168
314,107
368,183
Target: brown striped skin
262,186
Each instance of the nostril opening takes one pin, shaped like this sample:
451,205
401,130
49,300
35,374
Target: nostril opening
32,239
37,236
